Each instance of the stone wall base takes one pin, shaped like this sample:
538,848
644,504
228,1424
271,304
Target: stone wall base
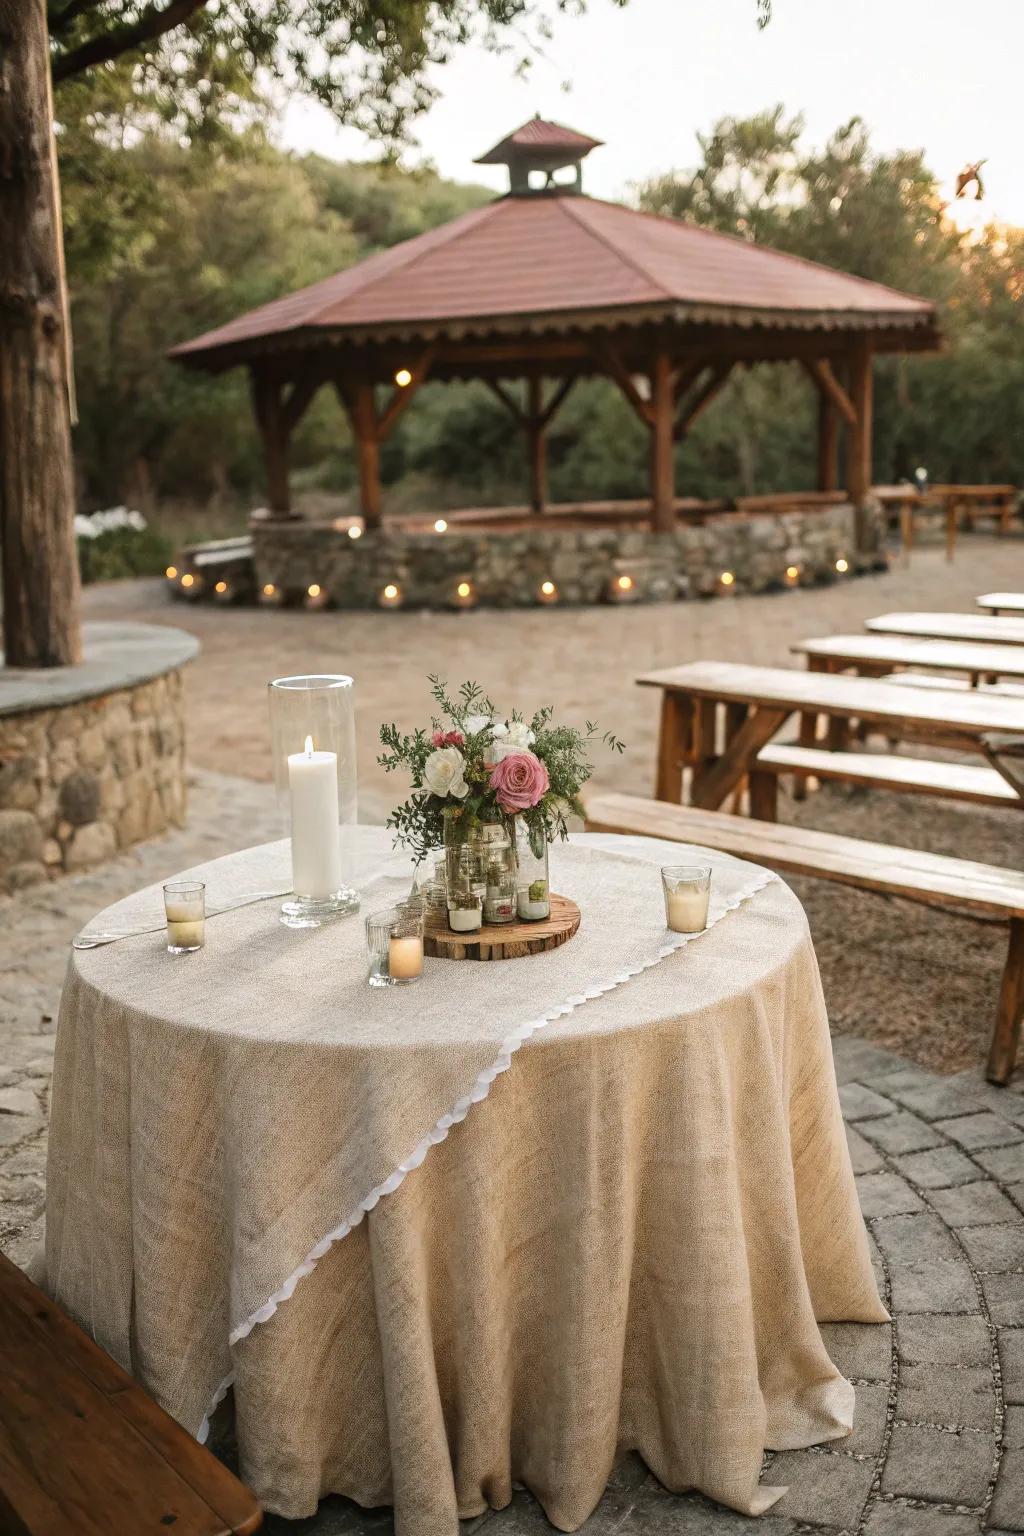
82,780
529,565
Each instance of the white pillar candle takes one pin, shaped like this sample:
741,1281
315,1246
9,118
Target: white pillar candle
688,909
405,957
186,928
316,850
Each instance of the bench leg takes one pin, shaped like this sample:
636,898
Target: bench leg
1003,1050
764,796
673,739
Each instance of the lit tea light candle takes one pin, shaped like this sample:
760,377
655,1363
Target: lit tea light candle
185,911
316,848
405,957
687,890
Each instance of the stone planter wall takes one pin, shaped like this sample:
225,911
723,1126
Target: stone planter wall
91,768
508,568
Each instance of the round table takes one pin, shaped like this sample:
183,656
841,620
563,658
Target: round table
495,1228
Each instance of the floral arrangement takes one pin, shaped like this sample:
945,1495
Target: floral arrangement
474,766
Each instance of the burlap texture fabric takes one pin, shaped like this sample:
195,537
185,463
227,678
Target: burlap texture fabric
620,1242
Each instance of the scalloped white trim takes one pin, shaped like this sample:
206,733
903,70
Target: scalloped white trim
481,1088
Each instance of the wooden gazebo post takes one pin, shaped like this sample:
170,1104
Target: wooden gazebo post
663,412
828,444
537,443
858,468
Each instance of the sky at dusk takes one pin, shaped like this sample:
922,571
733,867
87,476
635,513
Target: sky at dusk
941,75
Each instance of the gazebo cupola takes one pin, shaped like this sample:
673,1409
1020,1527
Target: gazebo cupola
537,150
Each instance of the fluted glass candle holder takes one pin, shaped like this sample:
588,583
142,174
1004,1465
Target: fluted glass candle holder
312,721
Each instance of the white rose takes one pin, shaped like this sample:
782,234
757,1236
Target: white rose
496,750
520,735
499,730
444,773
475,723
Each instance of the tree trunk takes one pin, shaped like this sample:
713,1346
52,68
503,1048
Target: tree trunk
40,565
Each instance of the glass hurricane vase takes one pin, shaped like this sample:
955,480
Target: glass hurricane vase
533,893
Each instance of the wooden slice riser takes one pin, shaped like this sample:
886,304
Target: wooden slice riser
504,941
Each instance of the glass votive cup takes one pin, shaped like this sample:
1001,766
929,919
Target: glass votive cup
394,939
185,911
687,890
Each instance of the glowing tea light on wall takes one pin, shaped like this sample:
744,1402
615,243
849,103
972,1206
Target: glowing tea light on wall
842,565
391,595
464,589
188,580
625,583
171,572
403,378
727,578
314,590
269,590
221,587
354,531
792,573
440,526
548,592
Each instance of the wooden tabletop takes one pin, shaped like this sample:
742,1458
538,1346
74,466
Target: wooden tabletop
1012,602
970,713
950,626
908,651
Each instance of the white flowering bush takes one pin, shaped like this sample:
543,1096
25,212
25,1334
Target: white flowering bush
119,542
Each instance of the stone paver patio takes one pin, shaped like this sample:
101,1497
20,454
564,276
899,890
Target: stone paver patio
938,1447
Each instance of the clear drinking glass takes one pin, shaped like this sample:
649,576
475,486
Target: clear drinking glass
394,939
312,720
533,893
185,910
687,890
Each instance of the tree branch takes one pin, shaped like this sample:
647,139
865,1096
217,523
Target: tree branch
153,23
60,17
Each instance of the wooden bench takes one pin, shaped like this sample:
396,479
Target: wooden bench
1001,602
84,1451
980,889
950,626
884,770
954,684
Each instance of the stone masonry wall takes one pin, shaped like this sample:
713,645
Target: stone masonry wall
82,780
507,568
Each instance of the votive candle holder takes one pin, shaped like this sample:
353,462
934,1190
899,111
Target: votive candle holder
185,911
687,891
394,940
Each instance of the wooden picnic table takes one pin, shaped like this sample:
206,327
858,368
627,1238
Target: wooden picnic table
1001,602
757,702
980,627
955,500
875,655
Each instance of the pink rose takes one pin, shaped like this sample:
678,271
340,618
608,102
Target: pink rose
448,739
520,782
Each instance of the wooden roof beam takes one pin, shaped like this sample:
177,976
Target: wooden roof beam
820,370
401,395
617,370
511,405
691,409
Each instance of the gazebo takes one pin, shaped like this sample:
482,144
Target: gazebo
547,285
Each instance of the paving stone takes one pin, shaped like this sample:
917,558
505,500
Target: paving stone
965,1398
863,1156
1016,1194
938,1465
860,1103
900,1079
995,1248
901,1132
887,1519
954,1340
918,1237
1011,1363
981,1130
938,1168
856,1059
936,1100
1013,1428
886,1194
1008,1502
862,1351
869,1417
973,1205
18,1101
1004,1297
14,1128
829,1490
930,1287
1004,1163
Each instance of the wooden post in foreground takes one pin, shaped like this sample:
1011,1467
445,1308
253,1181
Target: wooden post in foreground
663,405
37,532
537,444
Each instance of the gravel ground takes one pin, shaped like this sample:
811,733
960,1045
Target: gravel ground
918,981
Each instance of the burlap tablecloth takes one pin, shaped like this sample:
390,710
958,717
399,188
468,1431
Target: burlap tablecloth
644,1203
